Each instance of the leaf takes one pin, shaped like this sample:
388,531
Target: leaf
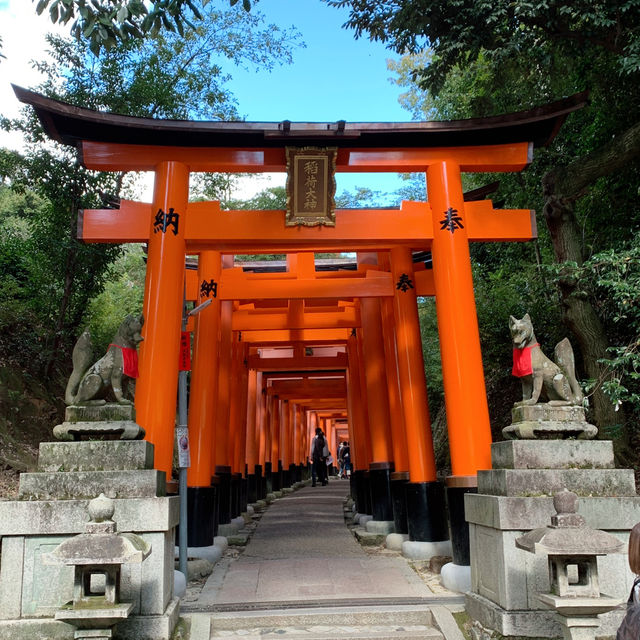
41,6
123,14
53,12
246,5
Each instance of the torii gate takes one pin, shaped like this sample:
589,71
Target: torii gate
174,227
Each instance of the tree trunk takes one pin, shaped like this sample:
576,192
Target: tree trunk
561,188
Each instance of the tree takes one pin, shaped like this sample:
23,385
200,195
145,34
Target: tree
109,22
482,58
163,75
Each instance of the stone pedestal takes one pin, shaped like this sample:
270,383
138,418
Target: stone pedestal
53,507
515,497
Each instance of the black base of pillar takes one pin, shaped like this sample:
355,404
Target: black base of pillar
286,478
361,484
300,472
252,488
244,494
236,479
201,516
380,486
426,514
399,499
223,474
293,474
260,486
276,477
268,478
458,524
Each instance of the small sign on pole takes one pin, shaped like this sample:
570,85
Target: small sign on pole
184,457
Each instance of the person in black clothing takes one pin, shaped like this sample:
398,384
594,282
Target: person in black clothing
345,460
318,455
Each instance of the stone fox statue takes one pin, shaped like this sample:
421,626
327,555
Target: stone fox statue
541,377
93,384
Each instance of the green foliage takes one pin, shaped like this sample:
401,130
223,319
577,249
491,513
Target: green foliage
459,31
123,293
107,23
612,279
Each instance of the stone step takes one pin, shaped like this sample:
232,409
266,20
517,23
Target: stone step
331,632
408,622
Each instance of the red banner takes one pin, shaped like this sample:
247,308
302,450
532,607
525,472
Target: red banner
185,351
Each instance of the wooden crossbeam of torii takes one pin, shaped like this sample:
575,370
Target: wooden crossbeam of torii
237,285
208,227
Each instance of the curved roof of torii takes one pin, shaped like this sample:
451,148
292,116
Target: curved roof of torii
71,125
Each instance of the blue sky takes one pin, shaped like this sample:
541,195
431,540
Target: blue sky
334,78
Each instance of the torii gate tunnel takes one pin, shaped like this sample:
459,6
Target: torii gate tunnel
278,354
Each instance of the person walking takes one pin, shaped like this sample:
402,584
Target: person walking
318,454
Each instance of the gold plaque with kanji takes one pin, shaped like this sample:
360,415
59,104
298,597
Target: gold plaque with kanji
311,186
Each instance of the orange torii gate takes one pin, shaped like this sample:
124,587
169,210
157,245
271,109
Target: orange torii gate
174,227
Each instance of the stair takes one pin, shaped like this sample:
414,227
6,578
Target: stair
397,622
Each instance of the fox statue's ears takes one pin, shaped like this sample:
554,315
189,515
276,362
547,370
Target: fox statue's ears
513,320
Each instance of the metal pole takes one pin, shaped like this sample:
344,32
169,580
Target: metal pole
184,462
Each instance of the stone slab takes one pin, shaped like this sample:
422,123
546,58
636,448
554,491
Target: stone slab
446,623
200,627
11,578
533,624
541,482
69,516
367,538
505,513
384,527
90,484
44,628
95,455
155,627
552,454
99,412
238,540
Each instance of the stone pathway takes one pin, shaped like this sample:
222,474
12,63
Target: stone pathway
304,575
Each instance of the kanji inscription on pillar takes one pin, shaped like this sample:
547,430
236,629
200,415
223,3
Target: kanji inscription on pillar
311,186
163,221
209,288
451,221
404,283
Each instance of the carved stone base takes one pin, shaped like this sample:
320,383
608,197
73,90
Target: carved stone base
99,422
547,421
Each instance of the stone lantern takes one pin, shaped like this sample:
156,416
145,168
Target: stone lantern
97,557
572,549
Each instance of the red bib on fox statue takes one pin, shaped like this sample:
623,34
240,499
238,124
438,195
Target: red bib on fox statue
522,361
129,360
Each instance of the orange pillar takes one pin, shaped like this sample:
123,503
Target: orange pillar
356,406
398,434
204,375
415,405
276,455
221,445
251,446
157,385
381,465
462,374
